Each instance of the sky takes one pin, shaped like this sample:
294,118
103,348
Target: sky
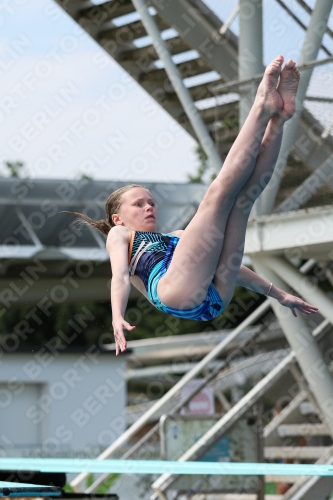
67,108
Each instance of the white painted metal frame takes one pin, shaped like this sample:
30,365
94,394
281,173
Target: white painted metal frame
306,350
174,390
235,84
225,26
318,15
305,287
303,233
164,481
179,86
250,52
321,176
262,309
36,241
310,49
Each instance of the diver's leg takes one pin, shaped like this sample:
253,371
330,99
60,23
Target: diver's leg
198,251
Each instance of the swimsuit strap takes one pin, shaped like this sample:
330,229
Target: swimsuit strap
130,246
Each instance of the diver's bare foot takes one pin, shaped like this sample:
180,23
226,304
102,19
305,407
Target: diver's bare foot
268,96
287,88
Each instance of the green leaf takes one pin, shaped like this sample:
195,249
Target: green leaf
68,489
104,487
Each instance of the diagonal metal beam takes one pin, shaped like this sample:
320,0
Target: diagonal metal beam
318,99
224,88
222,425
196,23
28,227
164,481
178,84
323,175
308,488
129,453
309,11
307,352
303,285
213,354
300,23
225,26
310,49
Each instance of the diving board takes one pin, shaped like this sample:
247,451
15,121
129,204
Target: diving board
161,466
9,489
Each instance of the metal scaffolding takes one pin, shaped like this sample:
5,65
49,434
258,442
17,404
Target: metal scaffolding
272,240
310,49
179,86
250,52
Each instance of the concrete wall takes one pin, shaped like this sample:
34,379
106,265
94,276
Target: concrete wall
59,405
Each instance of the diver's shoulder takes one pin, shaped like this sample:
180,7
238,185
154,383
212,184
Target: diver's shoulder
118,234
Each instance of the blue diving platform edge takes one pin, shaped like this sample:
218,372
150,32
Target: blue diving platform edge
9,489
78,465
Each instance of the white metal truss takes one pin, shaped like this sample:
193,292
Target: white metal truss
39,228
177,81
305,234
164,481
194,372
321,176
310,49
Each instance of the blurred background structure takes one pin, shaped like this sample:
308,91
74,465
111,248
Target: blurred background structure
201,61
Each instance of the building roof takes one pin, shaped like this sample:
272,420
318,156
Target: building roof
36,228
34,218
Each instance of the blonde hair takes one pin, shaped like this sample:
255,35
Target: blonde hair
112,206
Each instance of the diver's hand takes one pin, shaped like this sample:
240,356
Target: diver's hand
294,303
118,331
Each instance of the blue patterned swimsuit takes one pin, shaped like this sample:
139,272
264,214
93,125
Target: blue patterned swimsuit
149,256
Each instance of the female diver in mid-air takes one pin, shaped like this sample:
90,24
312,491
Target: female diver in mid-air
192,273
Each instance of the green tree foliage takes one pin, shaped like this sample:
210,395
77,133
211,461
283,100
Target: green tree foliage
85,177
82,325
90,323
224,127
15,168
103,489
202,168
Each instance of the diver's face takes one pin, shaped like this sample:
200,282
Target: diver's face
138,211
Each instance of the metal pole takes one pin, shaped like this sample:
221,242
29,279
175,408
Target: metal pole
310,49
301,284
164,481
299,22
260,445
224,88
304,346
178,84
225,26
250,56
322,175
227,420
151,432
131,431
250,51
